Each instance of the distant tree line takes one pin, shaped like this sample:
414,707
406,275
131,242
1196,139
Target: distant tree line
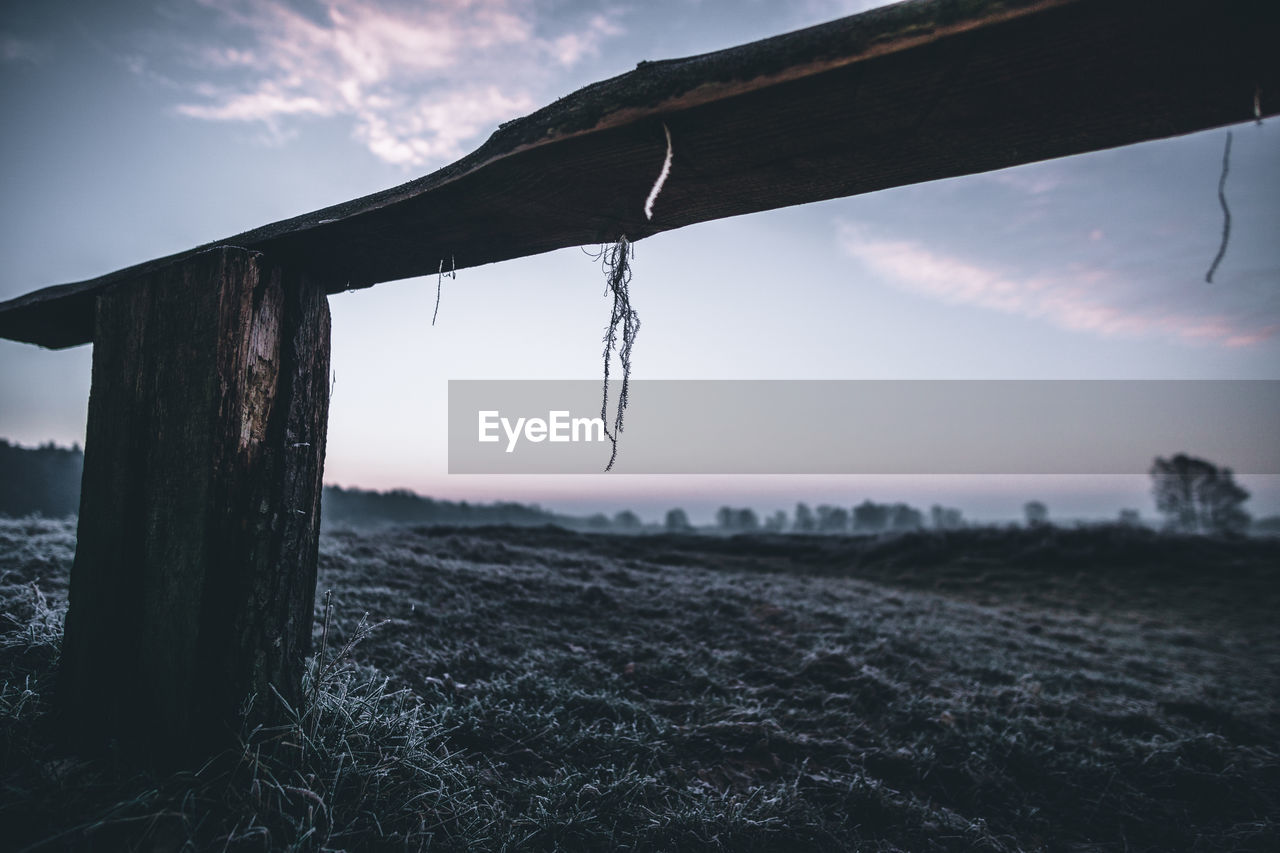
867,517
1193,495
42,480
361,507
365,508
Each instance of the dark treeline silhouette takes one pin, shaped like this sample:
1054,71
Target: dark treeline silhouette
361,507
42,480
1193,495
742,520
867,517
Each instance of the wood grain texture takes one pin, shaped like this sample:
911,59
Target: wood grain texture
194,578
913,92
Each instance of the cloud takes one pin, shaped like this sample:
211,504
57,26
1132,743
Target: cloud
1081,298
419,81
434,128
570,48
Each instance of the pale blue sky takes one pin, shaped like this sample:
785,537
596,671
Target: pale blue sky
133,130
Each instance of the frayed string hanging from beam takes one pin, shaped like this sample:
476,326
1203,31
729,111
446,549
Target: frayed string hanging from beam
624,325
453,274
1226,211
624,322
1222,187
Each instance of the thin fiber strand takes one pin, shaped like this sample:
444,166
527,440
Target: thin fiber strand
1226,211
453,273
662,177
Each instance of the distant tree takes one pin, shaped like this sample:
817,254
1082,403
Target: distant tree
776,523
677,521
1130,518
903,517
833,519
599,521
730,519
804,521
945,518
1037,514
627,520
42,480
1196,496
869,517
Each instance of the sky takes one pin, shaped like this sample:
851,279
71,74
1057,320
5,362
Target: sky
137,129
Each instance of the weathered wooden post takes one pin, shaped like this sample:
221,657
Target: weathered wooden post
195,571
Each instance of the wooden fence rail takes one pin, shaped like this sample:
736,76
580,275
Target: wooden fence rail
902,94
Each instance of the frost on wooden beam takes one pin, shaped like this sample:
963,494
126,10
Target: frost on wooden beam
906,93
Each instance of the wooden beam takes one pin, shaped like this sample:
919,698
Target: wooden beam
195,570
913,92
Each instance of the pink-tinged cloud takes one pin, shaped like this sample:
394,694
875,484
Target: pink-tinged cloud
1083,299
570,48
420,81
258,106
433,128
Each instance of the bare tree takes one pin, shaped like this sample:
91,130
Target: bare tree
1130,518
904,517
627,520
946,518
730,519
833,519
1196,496
677,521
804,522
870,517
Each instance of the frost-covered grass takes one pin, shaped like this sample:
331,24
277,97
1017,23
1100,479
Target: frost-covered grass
539,690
